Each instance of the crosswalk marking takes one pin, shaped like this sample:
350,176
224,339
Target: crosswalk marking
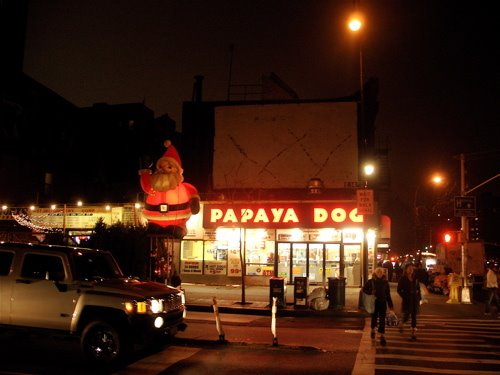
445,336
432,370
443,346
438,359
157,363
442,351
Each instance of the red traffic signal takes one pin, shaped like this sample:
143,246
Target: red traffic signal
451,237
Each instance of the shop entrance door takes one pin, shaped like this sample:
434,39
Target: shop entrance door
352,259
334,266
284,260
316,263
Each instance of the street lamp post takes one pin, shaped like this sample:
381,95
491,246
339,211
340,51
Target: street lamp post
355,24
436,180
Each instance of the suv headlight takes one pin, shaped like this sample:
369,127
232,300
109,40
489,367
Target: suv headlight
156,306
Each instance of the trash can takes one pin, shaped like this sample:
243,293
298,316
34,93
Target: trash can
336,291
300,291
277,289
478,291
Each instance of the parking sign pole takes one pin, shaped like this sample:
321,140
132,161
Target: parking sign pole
465,226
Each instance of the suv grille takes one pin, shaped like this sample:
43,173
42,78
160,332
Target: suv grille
172,302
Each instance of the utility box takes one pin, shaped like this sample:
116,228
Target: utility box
300,291
277,289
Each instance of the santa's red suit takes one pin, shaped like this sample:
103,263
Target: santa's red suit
169,207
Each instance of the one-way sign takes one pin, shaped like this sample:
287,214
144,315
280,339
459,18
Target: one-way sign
465,206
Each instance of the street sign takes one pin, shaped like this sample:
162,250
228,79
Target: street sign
465,206
354,184
365,201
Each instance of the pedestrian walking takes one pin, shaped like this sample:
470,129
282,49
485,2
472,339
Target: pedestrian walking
379,286
492,287
409,291
398,270
390,268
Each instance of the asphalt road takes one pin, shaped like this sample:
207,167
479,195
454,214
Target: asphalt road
301,345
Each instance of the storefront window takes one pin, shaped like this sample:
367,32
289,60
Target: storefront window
259,252
218,250
314,253
332,260
315,262
215,258
192,257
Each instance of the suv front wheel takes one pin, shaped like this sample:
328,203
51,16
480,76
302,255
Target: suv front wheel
104,344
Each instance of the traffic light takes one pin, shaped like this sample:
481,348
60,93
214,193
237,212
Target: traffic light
451,236
447,237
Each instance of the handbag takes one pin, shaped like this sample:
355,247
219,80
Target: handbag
369,302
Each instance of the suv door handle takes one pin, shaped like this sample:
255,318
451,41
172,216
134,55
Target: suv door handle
23,281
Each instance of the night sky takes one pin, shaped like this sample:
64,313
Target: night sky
436,62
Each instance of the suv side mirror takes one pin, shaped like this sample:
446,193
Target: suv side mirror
60,286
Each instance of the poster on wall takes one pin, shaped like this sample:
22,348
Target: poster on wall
215,268
191,266
234,262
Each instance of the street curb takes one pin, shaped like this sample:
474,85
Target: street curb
288,312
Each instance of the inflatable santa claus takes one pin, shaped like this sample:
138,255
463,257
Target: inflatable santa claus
170,201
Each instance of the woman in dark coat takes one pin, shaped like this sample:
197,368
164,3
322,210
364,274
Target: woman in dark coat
409,290
379,286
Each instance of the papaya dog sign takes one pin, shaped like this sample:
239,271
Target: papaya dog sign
281,215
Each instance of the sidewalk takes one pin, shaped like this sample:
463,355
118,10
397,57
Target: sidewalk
256,301
199,297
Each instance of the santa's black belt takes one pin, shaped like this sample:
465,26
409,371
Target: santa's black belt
165,207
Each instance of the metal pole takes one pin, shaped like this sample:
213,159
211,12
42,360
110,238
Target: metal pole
464,235
364,245
416,218
362,100
64,223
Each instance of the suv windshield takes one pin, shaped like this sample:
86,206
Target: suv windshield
91,266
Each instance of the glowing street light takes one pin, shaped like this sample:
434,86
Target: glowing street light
437,179
369,169
355,23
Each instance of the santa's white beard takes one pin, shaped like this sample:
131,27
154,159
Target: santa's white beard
164,181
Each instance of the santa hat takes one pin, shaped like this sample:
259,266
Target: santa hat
171,155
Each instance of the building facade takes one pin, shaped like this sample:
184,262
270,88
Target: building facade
317,239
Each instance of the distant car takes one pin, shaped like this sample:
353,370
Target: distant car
82,292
